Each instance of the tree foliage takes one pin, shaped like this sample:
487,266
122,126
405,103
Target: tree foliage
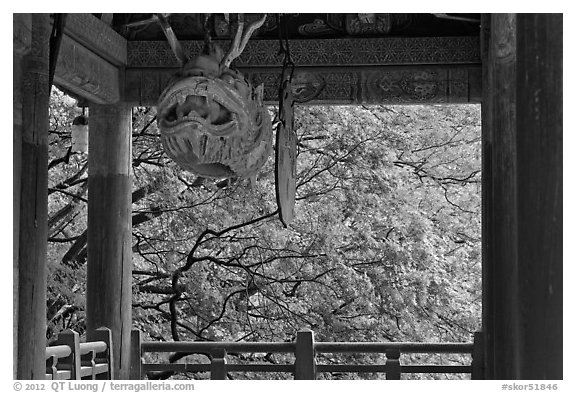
385,245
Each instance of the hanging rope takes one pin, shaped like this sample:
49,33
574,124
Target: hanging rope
289,64
284,47
285,168
285,97
240,40
172,40
207,36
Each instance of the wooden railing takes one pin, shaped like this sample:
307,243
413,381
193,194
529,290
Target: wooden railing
68,358
56,360
305,351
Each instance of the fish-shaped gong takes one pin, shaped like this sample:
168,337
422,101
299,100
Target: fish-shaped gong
212,121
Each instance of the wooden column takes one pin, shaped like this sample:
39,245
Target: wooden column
109,282
31,145
22,35
500,258
487,206
539,155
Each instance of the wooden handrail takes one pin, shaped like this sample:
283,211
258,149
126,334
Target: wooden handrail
289,347
68,358
382,347
320,347
209,346
305,350
96,347
436,369
54,368
67,366
59,351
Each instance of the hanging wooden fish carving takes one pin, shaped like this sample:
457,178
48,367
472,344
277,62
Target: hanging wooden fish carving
212,120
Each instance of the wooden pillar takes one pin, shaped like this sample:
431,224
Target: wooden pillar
22,35
31,172
500,258
539,155
109,281
487,206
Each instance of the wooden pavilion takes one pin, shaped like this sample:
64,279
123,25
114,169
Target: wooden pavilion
510,63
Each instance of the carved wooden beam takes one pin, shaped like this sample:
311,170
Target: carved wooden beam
91,60
338,71
426,84
98,37
84,73
22,33
323,52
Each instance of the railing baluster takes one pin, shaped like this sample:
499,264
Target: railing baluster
478,356
136,355
52,364
305,365
105,334
72,339
92,363
393,364
218,364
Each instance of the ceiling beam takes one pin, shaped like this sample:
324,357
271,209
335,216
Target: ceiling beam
98,37
322,52
87,75
91,60
336,71
22,33
345,85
